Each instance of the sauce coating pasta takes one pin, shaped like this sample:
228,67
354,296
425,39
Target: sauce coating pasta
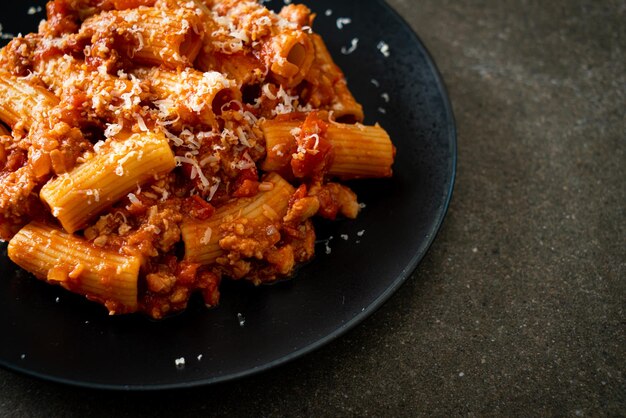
151,148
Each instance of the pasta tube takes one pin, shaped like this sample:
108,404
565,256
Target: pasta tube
327,86
191,96
161,36
285,49
244,69
23,101
72,262
358,151
291,55
202,238
78,196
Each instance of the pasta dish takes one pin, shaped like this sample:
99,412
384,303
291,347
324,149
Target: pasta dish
150,148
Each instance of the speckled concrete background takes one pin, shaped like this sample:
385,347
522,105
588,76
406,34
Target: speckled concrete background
518,309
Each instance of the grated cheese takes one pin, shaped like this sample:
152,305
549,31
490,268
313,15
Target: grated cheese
133,199
179,362
383,48
327,246
353,45
93,192
245,163
189,158
213,188
267,92
176,140
342,21
206,238
111,130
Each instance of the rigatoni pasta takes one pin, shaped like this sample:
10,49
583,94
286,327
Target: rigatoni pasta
358,151
23,100
117,168
189,96
61,258
325,85
150,149
147,35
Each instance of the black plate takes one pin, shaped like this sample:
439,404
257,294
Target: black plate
50,333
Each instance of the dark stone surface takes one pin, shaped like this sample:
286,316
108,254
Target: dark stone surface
518,309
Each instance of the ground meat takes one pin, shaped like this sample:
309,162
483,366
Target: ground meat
335,198
18,55
159,231
301,210
15,188
55,150
160,282
18,201
169,285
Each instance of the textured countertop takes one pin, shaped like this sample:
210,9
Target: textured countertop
518,308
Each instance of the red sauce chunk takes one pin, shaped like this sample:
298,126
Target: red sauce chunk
313,155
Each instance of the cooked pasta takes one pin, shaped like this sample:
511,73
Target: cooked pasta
151,148
61,258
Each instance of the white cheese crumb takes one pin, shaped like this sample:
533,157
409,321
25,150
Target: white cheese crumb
214,188
382,110
112,130
342,21
362,205
328,249
23,356
241,319
353,44
328,12
6,35
206,238
93,192
385,97
383,48
375,82
361,232
57,299
344,237
133,199
199,357
141,123
179,362
32,10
